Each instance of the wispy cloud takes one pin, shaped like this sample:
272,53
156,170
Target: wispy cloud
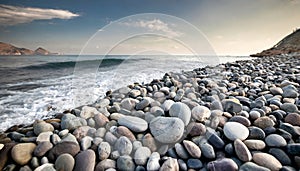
154,25
13,15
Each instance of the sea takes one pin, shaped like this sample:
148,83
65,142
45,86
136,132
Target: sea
37,87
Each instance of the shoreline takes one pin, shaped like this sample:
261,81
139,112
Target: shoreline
132,128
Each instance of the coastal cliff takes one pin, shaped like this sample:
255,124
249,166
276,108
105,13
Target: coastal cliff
289,44
8,49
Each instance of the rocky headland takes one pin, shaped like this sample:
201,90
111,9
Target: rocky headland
10,50
234,116
288,45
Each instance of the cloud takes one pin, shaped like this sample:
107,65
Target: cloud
13,15
154,25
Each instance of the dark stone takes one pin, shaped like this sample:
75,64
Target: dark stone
194,164
281,156
293,149
256,133
215,140
63,147
4,154
85,161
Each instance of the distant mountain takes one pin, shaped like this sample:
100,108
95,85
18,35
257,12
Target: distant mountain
8,49
289,44
41,51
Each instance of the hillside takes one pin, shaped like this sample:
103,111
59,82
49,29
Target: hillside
289,44
8,49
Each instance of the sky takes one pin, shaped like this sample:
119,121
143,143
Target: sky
230,27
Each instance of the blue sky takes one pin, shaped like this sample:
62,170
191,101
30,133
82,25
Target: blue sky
233,27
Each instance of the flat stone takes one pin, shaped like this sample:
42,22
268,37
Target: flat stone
86,143
274,140
222,164
201,113
250,166
63,147
207,150
267,160
194,164
65,162
106,164
167,130
85,160
264,122
181,111
240,119
42,148
41,126
104,150
181,151
281,156
153,161
16,136
276,90
125,163
290,129
293,149
170,164
256,133
192,148
133,123
293,119
290,93
235,130
255,144
289,107
242,151
22,153
124,146
141,155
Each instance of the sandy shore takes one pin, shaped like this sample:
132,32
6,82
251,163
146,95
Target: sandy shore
235,116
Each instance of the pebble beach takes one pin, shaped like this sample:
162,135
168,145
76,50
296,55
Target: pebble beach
242,115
